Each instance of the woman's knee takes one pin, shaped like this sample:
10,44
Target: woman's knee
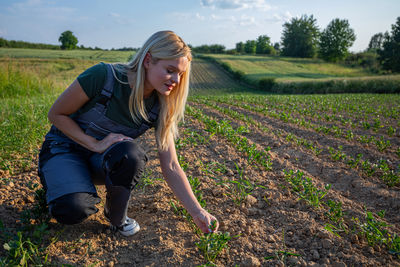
73,208
124,162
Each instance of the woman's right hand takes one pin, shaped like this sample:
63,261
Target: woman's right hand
110,139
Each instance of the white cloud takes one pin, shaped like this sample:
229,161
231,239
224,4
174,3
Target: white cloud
200,17
245,20
236,4
280,18
115,15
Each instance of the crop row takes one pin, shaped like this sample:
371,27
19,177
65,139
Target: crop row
372,227
382,167
381,143
315,108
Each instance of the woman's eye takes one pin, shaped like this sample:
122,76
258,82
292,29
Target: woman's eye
170,71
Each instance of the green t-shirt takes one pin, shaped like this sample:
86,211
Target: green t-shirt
92,82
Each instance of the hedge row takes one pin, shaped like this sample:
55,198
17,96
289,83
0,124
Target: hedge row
377,85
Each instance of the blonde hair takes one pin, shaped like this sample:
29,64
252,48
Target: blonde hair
162,45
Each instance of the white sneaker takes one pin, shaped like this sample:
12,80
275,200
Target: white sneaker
129,228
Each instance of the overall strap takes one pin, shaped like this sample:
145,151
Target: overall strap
107,91
153,116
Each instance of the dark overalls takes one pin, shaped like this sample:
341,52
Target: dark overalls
68,171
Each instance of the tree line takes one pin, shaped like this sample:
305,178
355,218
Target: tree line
67,39
301,37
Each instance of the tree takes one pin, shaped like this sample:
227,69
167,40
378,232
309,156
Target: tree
240,47
300,37
336,40
376,42
389,55
263,45
250,47
68,40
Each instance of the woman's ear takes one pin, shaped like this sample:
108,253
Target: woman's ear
147,60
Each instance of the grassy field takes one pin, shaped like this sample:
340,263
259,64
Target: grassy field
286,69
109,56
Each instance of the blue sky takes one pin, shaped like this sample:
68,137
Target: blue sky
119,23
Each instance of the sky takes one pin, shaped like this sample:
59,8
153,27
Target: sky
128,23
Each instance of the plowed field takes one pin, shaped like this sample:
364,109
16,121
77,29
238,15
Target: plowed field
295,180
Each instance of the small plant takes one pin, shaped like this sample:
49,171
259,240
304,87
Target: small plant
391,131
211,244
337,155
382,144
180,211
147,179
368,167
365,125
353,162
390,177
373,229
364,139
282,254
305,189
335,214
23,252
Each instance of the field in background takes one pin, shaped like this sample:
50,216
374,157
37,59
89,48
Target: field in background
297,180
286,69
99,55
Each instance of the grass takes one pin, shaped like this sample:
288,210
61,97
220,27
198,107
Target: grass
98,55
289,69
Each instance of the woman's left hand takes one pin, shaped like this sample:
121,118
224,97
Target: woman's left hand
203,220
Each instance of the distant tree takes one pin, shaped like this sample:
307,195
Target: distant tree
68,40
263,45
240,47
250,47
336,40
376,42
300,37
214,49
277,46
389,55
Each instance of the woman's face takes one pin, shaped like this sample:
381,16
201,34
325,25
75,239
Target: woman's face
164,75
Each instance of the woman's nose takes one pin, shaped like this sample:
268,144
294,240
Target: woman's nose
175,78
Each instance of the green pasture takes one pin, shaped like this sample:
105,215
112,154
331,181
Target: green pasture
286,69
98,55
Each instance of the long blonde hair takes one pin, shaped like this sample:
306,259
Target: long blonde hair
161,45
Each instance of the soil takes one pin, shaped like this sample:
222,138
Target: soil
269,228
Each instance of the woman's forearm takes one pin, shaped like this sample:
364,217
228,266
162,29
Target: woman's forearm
71,129
179,184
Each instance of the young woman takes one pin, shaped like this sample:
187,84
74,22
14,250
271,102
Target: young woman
95,122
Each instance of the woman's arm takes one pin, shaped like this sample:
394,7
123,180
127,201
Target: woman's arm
71,100
178,182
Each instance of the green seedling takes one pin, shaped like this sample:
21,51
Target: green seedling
180,211
147,179
390,177
282,254
382,144
212,244
337,155
305,189
353,162
368,167
374,229
23,252
391,131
